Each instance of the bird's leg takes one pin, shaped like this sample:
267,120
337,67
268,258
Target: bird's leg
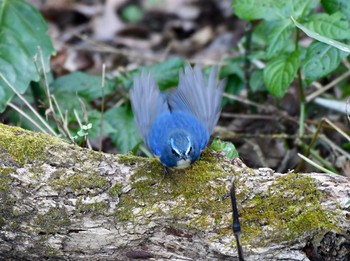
236,225
167,172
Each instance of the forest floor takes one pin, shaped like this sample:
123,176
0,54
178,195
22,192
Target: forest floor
126,34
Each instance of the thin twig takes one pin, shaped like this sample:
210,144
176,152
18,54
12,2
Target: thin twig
46,84
63,123
132,54
236,227
346,108
28,105
248,43
81,127
324,138
315,164
328,86
25,115
102,104
86,118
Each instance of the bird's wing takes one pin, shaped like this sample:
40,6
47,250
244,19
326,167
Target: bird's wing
198,95
147,102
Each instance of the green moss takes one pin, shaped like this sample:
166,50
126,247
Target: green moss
7,201
193,187
115,190
81,183
123,212
52,221
5,178
128,159
53,252
291,207
23,145
93,208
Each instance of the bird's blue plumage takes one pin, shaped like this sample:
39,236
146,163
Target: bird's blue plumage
183,131
176,125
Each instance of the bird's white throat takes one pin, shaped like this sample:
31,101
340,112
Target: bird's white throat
182,164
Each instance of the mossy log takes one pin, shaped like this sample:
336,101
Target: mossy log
62,202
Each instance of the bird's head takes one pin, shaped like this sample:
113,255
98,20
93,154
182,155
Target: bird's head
180,151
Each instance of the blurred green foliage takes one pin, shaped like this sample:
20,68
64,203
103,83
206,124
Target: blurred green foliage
274,44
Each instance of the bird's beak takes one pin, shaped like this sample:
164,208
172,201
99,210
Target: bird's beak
184,157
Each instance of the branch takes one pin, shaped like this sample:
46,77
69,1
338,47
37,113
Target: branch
59,201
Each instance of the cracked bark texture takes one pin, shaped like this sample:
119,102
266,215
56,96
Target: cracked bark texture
62,202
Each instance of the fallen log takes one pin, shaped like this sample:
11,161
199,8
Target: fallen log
62,202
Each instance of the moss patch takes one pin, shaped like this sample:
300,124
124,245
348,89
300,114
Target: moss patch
193,187
81,183
92,208
23,145
53,221
5,179
291,207
115,190
128,159
7,201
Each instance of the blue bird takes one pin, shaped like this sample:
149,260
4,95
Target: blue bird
176,124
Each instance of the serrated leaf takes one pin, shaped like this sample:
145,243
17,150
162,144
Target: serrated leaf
22,30
279,38
227,147
333,26
321,59
280,72
301,8
321,38
332,6
272,9
125,135
257,9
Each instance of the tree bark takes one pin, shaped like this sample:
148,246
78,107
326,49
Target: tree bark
62,202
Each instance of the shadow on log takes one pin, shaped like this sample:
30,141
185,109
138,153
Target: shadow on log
62,202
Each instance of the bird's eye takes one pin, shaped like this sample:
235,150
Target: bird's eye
174,151
189,151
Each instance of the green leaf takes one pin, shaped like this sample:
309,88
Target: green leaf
82,133
280,72
258,9
301,8
22,30
279,38
332,6
321,59
87,127
232,66
321,38
83,84
333,26
272,9
165,73
132,13
125,135
256,81
93,127
90,128
227,147
233,73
